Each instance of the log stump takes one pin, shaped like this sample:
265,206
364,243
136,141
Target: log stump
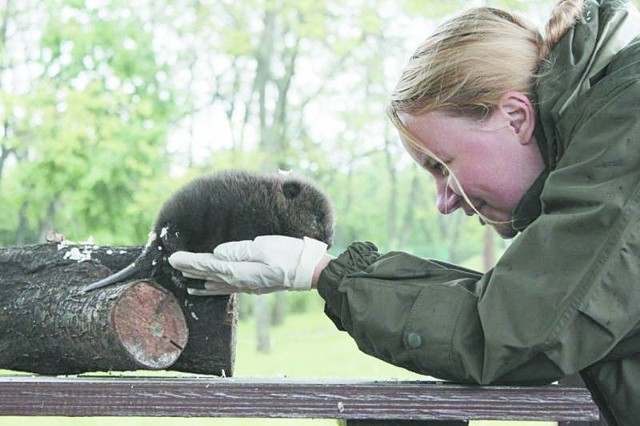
49,326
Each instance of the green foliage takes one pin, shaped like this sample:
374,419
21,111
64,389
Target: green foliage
93,125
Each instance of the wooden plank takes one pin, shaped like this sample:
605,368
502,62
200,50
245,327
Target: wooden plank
219,397
576,381
406,423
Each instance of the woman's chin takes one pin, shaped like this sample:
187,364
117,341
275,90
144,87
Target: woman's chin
505,230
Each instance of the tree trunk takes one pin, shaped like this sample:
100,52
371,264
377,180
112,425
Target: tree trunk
48,326
488,248
279,309
263,322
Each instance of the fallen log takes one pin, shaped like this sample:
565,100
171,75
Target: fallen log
49,326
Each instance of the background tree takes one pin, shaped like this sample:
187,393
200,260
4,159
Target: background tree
85,120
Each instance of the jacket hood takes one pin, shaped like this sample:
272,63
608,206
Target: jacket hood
573,66
576,63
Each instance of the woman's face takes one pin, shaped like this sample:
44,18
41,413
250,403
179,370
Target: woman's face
495,161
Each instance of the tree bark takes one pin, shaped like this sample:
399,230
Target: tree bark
49,326
212,335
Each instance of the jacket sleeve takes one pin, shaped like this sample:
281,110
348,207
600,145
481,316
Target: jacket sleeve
561,298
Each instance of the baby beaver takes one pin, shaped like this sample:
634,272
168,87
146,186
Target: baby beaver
228,206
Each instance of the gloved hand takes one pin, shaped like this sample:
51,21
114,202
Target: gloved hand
267,264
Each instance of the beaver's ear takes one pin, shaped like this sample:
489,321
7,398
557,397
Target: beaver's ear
291,189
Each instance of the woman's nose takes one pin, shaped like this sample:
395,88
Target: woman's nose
447,200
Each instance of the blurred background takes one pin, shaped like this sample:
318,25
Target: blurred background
107,106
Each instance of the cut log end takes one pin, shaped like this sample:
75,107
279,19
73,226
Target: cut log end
150,325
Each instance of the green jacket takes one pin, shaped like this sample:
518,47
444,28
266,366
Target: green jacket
565,297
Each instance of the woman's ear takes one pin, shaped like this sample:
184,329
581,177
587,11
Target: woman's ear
520,113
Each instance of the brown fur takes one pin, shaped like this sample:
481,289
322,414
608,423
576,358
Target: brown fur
230,206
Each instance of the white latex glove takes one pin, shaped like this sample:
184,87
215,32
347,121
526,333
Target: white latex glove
267,264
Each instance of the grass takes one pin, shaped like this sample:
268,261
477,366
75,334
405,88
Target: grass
306,346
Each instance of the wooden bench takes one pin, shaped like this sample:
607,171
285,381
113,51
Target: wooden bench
358,402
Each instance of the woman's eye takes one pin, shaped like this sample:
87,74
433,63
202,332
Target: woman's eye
436,167
439,168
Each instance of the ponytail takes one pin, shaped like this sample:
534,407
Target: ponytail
563,17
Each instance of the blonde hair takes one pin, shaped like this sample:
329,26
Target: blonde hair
472,60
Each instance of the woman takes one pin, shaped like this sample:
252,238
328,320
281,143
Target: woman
537,136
